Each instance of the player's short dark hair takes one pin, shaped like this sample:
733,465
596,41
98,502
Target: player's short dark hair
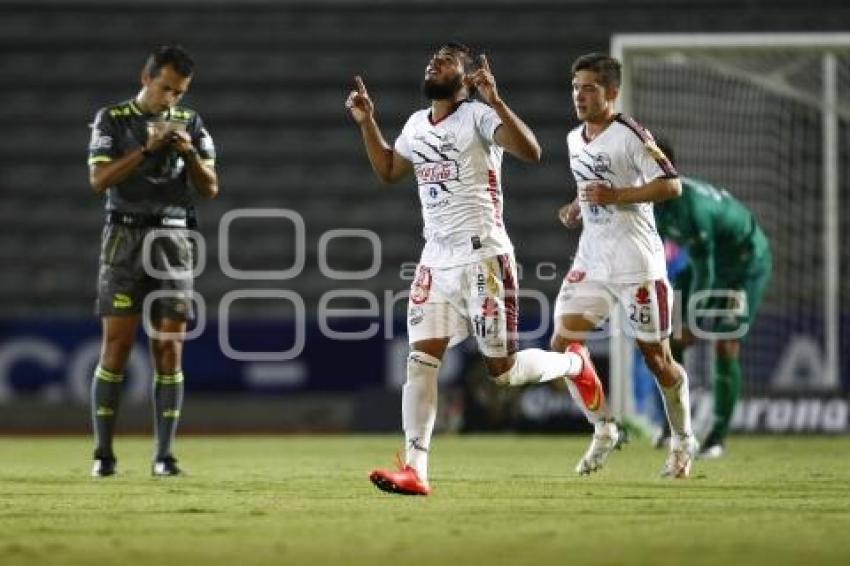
608,68
170,55
462,52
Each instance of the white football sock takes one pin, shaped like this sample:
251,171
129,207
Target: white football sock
677,403
537,366
419,409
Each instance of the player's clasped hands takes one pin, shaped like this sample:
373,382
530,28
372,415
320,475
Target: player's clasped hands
180,141
358,102
158,138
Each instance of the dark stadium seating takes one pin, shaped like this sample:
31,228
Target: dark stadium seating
271,81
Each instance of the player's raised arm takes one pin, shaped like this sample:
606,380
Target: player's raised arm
513,135
387,164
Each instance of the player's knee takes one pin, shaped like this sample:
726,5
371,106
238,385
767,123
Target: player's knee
661,363
117,345
167,352
434,348
422,363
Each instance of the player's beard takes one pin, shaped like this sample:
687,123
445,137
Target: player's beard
444,91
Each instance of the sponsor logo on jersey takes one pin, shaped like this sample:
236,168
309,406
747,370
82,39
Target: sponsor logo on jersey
122,301
436,172
601,163
99,141
642,296
448,141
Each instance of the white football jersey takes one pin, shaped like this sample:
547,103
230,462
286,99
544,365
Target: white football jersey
458,169
619,243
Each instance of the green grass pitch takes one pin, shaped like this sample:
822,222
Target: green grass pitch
497,500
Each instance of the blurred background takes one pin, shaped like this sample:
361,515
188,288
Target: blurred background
271,80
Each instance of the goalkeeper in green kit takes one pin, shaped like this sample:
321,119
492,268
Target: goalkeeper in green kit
729,268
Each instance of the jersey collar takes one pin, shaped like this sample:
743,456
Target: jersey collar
600,134
137,110
450,112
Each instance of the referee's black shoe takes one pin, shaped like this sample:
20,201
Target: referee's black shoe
104,465
165,467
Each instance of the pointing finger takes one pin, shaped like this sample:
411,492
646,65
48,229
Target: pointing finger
349,102
483,61
361,88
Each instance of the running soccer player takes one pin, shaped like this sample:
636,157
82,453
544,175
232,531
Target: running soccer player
729,254
466,280
620,173
148,156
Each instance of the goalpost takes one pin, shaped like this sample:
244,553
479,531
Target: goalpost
768,117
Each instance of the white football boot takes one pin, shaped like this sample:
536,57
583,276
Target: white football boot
681,457
603,443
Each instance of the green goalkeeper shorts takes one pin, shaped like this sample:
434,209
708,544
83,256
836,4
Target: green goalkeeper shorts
747,280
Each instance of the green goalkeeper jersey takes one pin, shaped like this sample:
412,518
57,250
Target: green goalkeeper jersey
722,237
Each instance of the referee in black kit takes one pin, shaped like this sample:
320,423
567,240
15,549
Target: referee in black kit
149,156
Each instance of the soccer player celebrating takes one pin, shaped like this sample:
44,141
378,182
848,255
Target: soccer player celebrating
730,254
466,279
148,155
620,172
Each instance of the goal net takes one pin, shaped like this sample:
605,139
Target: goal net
767,117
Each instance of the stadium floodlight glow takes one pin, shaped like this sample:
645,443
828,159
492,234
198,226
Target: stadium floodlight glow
300,242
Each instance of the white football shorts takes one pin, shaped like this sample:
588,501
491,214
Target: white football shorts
647,305
477,299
